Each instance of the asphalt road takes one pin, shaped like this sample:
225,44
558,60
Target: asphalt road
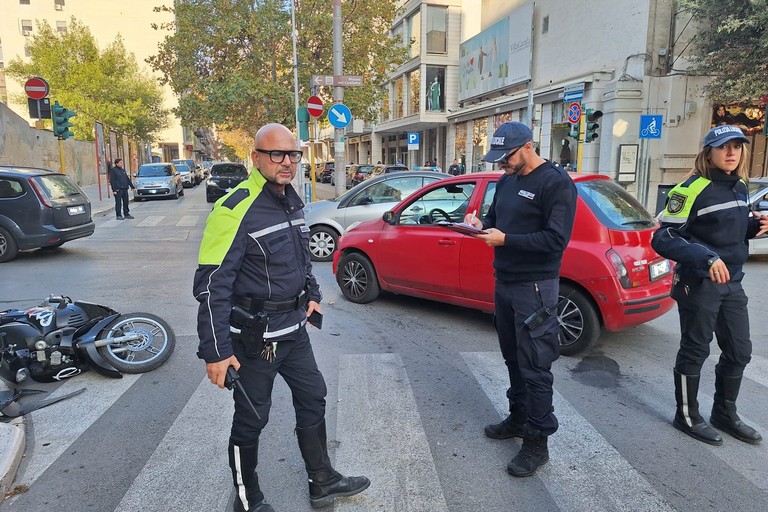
411,385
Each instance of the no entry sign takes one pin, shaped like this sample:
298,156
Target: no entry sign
36,88
315,106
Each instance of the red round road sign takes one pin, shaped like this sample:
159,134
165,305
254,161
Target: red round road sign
315,106
574,112
36,88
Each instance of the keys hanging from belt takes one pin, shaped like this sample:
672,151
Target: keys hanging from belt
269,351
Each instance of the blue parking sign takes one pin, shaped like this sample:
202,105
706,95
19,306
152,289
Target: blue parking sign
413,141
650,126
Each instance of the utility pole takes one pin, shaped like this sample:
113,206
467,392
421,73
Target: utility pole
294,34
339,158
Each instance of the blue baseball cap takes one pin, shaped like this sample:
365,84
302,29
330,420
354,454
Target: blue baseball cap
507,137
719,135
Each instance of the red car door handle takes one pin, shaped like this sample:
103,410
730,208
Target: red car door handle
446,242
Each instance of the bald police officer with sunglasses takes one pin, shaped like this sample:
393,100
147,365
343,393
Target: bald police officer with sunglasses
256,291
529,225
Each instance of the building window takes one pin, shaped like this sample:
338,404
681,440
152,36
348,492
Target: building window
460,144
414,34
61,26
545,25
24,2
398,103
415,86
27,51
437,24
479,143
26,27
397,33
58,5
384,111
435,88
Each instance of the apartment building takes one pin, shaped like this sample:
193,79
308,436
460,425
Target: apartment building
132,20
531,61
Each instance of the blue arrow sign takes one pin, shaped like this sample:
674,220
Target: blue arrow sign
339,115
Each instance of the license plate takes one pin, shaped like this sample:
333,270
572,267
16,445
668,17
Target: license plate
153,191
658,269
76,210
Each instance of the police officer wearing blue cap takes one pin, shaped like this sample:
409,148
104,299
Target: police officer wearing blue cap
704,228
529,225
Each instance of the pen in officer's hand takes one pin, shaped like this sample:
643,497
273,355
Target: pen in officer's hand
472,216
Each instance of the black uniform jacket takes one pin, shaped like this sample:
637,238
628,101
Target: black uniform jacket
255,244
705,220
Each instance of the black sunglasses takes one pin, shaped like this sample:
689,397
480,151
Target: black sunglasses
277,156
503,163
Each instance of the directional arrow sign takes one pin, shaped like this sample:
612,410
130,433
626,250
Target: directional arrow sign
337,80
339,115
320,80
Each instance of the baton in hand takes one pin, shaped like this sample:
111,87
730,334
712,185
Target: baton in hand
232,380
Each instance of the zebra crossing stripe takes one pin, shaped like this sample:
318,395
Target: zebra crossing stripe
193,450
374,389
54,428
188,221
585,473
151,221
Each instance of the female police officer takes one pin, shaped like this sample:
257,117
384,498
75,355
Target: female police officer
704,228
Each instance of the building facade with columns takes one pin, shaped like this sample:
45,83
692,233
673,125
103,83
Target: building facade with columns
530,61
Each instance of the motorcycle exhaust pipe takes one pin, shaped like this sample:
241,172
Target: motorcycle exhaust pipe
119,339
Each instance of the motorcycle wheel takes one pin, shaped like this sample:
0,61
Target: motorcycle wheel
152,350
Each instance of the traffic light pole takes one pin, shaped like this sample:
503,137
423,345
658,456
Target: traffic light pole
580,144
339,158
61,157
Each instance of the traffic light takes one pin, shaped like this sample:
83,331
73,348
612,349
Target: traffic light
590,125
574,133
61,124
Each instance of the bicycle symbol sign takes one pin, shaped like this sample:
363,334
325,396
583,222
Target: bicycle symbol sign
650,127
574,112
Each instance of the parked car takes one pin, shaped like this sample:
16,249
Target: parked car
224,177
611,278
195,170
40,208
758,201
157,180
327,174
187,179
380,169
368,200
358,173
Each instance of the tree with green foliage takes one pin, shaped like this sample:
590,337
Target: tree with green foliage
231,61
105,86
731,46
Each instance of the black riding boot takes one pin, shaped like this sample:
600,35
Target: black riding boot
511,426
532,454
687,417
242,461
724,414
325,483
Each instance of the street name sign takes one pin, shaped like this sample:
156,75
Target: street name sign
339,115
337,80
36,88
315,106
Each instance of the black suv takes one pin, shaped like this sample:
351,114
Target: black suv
224,177
40,209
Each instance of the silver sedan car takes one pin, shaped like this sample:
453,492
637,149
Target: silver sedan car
369,200
758,202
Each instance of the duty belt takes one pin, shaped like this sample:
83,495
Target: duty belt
254,305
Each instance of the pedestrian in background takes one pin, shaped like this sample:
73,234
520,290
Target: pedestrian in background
529,225
704,228
256,292
120,183
454,169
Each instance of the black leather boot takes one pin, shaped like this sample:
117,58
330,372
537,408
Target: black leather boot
242,461
724,414
325,483
687,417
511,426
532,454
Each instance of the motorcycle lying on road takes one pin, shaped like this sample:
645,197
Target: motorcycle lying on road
62,338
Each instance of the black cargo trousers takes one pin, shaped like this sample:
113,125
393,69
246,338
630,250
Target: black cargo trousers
528,353
295,362
706,307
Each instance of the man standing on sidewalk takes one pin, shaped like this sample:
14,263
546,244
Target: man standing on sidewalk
120,183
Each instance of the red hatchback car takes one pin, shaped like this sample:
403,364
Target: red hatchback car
610,278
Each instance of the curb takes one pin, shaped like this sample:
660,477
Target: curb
12,444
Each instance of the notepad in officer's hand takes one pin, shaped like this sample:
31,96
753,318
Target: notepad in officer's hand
463,228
